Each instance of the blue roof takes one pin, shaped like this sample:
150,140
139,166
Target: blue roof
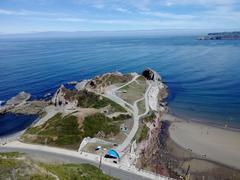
113,153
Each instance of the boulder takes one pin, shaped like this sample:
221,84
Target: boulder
150,74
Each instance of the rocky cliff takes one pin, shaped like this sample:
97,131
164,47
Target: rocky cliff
21,104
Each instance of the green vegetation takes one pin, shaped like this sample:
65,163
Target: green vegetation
133,91
57,131
141,107
88,99
142,133
141,79
8,163
14,166
10,154
77,172
109,79
65,131
42,114
101,123
23,168
150,117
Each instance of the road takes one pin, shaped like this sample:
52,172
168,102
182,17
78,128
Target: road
52,154
120,170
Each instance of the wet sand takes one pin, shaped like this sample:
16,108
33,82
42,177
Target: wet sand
216,144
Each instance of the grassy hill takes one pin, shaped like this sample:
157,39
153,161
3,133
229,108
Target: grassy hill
65,131
100,123
57,131
14,165
88,99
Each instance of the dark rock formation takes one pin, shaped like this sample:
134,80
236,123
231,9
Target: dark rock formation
150,74
58,97
93,84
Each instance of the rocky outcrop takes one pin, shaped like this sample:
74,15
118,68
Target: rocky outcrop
152,153
81,85
58,97
20,104
61,99
18,99
15,101
30,108
150,74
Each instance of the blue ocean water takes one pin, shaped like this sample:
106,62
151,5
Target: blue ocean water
203,76
11,123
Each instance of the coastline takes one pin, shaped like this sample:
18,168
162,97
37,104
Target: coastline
172,116
207,121
212,143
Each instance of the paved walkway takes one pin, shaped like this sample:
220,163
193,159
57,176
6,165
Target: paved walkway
93,158
111,94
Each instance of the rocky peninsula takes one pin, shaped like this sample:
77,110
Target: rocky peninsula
128,113
21,104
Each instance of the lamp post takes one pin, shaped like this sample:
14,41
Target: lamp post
101,156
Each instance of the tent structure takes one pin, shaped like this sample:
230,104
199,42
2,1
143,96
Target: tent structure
111,153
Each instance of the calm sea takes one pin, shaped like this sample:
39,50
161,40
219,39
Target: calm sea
203,76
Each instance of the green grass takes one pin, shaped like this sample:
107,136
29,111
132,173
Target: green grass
28,169
77,172
99,122
19,168
109,79
141,79
88,99
142,133
6,163
57,131
141,107
39,177
65,132
10,154
150,117
133,91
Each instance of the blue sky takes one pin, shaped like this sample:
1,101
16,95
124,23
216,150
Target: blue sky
23,16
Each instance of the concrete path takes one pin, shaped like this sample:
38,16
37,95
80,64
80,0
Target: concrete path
68,156
111,94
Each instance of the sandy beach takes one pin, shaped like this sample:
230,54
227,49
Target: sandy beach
216,144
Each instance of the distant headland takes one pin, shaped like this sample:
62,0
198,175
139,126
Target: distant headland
221,36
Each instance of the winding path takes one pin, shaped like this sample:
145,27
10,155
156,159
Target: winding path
111,94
